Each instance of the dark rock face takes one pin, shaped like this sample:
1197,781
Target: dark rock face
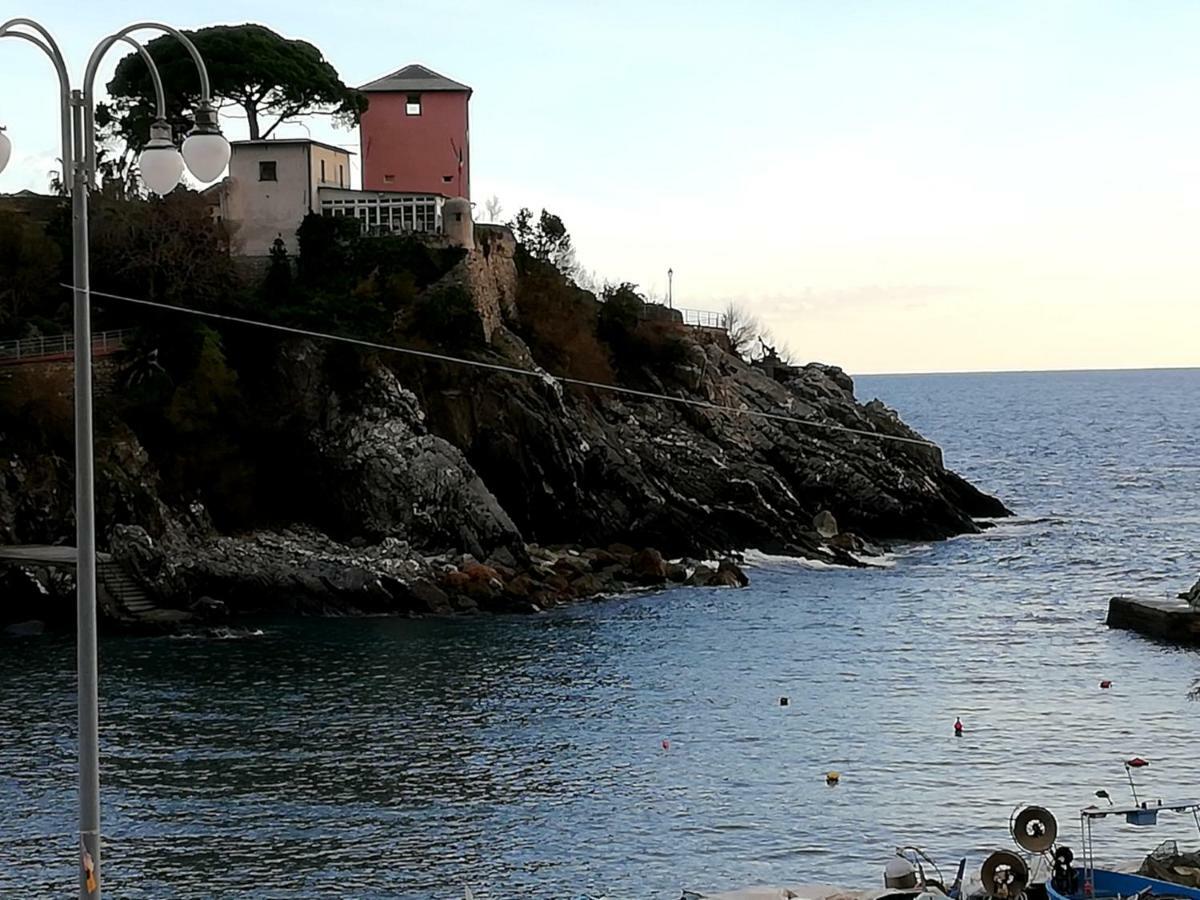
415,494
375,470
1192,596
594,467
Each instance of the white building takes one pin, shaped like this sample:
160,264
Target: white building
274,184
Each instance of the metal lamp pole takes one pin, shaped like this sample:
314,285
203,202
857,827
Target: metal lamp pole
670,289
206,153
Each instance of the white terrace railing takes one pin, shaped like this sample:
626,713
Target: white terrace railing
702,318
60,345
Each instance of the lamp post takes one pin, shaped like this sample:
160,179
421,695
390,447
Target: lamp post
670,291
205,153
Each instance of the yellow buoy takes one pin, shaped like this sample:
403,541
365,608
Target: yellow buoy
833,777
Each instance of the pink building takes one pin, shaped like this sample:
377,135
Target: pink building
415,135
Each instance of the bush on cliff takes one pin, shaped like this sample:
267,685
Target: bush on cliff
30,264
445,316
559,323
637,340
36,405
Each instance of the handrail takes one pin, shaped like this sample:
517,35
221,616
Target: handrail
702,318
103,342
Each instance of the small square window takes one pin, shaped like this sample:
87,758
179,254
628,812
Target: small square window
413,106
266,171
389,179
447,179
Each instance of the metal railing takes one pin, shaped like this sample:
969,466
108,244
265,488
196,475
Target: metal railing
60,345
702,318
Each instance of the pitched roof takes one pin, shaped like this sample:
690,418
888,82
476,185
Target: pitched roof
414,78
274,142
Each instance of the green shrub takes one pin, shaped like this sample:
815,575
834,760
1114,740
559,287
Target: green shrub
446,316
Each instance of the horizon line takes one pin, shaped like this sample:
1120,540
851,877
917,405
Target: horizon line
1065,371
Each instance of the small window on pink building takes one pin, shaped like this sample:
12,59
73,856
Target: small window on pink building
413,106
389,179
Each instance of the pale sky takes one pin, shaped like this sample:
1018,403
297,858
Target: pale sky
893,186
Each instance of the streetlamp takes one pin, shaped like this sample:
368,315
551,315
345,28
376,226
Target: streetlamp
205,153
670,290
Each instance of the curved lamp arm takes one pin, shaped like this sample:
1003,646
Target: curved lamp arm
48,46
89,80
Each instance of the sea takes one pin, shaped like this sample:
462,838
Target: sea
637,746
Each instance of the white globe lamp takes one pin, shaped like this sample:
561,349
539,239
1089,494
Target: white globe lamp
206,151
5,149
160,164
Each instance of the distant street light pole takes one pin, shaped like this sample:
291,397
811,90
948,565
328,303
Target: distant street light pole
670,291
206,153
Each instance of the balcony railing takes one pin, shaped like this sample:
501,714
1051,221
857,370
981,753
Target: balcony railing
59,346
702,318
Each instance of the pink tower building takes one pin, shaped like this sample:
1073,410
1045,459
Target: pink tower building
415,134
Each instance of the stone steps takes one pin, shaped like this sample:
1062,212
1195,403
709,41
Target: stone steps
124,590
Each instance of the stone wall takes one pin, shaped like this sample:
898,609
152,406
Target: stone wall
489,272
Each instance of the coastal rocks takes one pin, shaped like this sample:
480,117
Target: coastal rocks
300,570
35,593
592,467
825,524
648,567
383,475
1192,596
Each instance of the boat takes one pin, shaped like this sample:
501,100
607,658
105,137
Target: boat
1092,882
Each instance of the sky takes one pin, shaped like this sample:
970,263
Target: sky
892,186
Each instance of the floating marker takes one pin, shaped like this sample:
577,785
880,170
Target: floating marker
958,727
1105,685
666,745
783,701
832,778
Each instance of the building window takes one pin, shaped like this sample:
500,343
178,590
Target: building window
389,179
266,171
341,177
447,179
322,171
413,106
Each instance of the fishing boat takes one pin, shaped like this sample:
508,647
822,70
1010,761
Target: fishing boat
1088,881
1091,882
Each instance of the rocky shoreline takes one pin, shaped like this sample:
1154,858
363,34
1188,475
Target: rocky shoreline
304,572
364,484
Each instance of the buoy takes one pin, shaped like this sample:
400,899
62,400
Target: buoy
958,727
833,777
1105,685
666,744
783,701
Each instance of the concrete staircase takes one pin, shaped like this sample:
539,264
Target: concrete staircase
123,589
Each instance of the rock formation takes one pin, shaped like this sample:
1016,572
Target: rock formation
415,487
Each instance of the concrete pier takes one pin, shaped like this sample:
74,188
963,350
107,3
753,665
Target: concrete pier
1168,620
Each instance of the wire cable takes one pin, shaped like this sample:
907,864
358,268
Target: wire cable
514,370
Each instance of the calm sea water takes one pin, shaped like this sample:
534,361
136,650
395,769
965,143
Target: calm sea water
524,756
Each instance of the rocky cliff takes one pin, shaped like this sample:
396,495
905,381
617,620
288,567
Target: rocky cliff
402,485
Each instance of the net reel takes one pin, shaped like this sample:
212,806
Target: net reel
1004,875
1034,828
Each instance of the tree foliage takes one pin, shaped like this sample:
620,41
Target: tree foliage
169,249
743,328
29,269
545,239
266,77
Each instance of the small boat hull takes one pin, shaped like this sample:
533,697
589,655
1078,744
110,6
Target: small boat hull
1107,883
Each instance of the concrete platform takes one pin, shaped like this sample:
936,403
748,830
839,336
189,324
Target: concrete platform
1167,620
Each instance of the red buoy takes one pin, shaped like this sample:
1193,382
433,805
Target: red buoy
666,744
958,727
1105,685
